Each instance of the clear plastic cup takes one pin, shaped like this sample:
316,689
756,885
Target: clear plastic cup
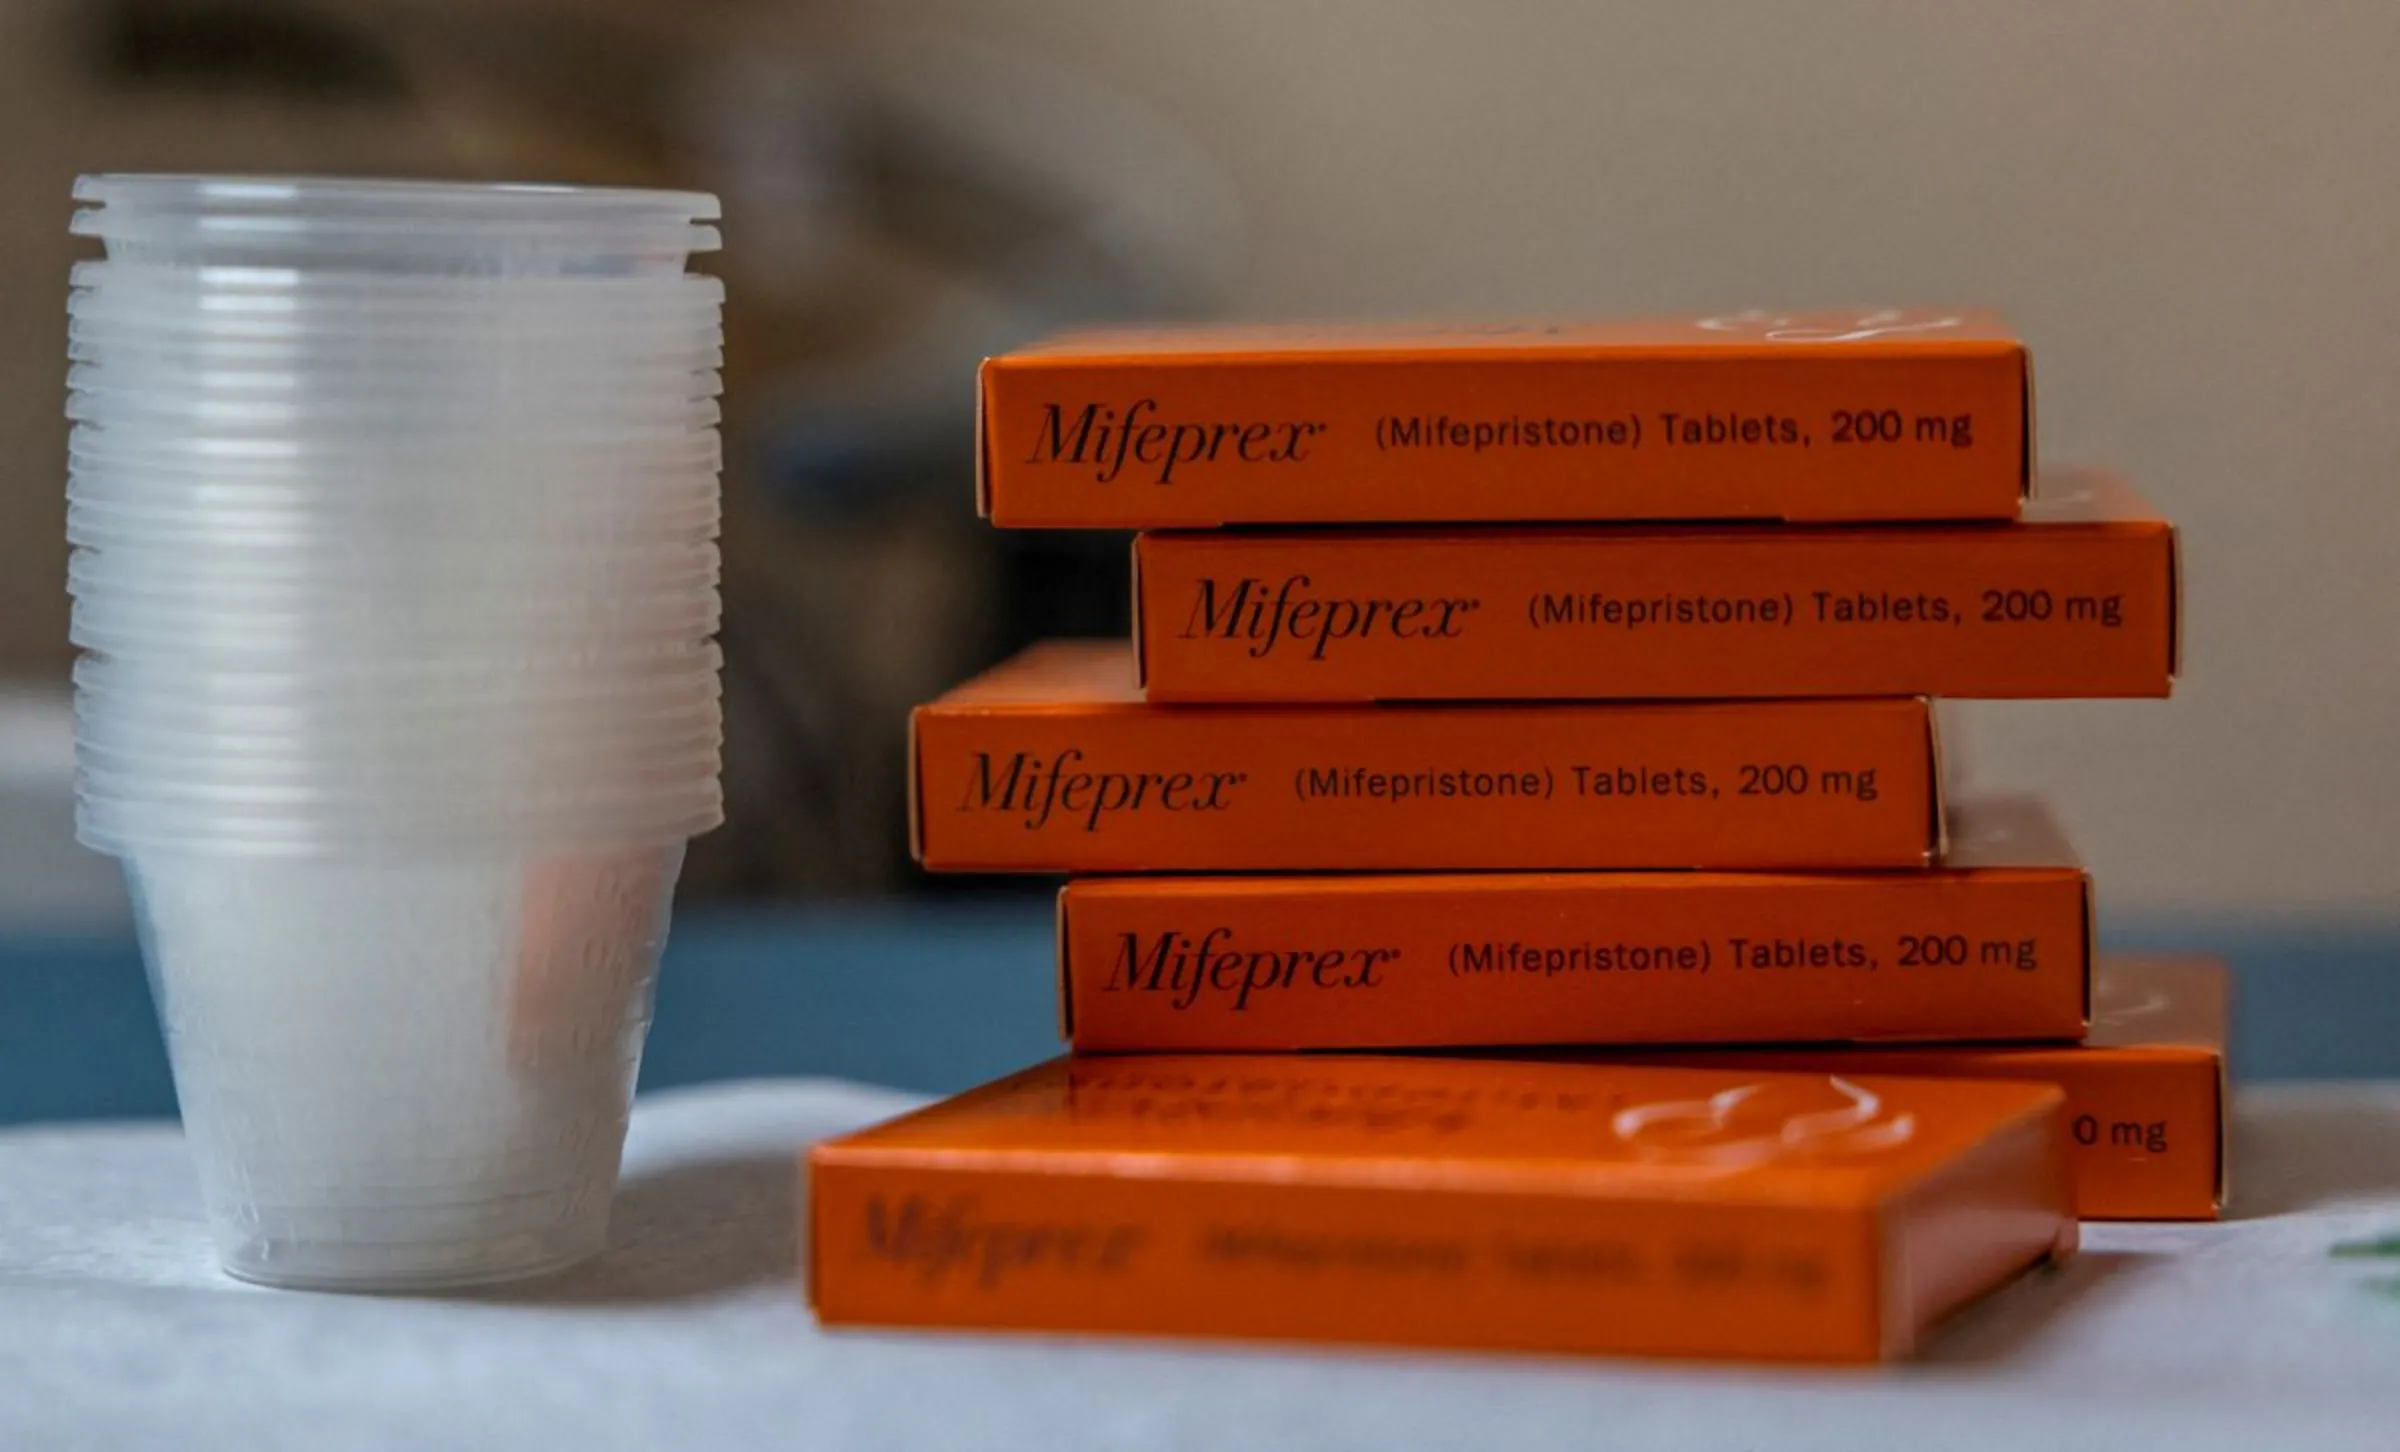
405,1075
311,744
469,779
310,225
117,826
325,754
104,326
397,391
556,493
496,676
359,678
368,662
308,744
384,414
588,627
531,251
313,741
524,661
314,737
501,754
423,465
596,534
259,816
399,585
365,639
542,441
407,558
416,462
155,294
133,707
691,515
483,341
401,385
370,424
394,511
151,717
381,351
564,498
620,582
488,342
370,804
123,829
396,202
94,332
110,325
559,488
688,288
351,559
325,751
153,711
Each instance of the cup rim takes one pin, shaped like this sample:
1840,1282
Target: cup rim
456,242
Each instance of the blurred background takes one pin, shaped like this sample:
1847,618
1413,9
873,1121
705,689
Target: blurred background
2187,206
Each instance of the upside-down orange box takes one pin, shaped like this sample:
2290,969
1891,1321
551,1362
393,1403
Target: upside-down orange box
2146,1094
1428,1202
1993,944
1860,415
2076,599
1052,762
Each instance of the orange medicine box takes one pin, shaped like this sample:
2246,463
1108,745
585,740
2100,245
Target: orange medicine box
1429,1202
2146,1096
1860,415
1994,944
1051,762
2077,599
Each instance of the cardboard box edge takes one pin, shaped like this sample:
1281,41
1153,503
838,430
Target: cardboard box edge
983,438
1140,629
1937,792
2028,459
916,792
1066,979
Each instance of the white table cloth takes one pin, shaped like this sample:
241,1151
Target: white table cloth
116,1331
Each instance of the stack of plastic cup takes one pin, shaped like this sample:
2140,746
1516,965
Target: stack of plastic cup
394,510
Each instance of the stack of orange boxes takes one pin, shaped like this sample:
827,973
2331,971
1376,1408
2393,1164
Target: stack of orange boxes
1546,712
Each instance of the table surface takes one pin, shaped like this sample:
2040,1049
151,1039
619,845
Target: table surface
934,994
116,1331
